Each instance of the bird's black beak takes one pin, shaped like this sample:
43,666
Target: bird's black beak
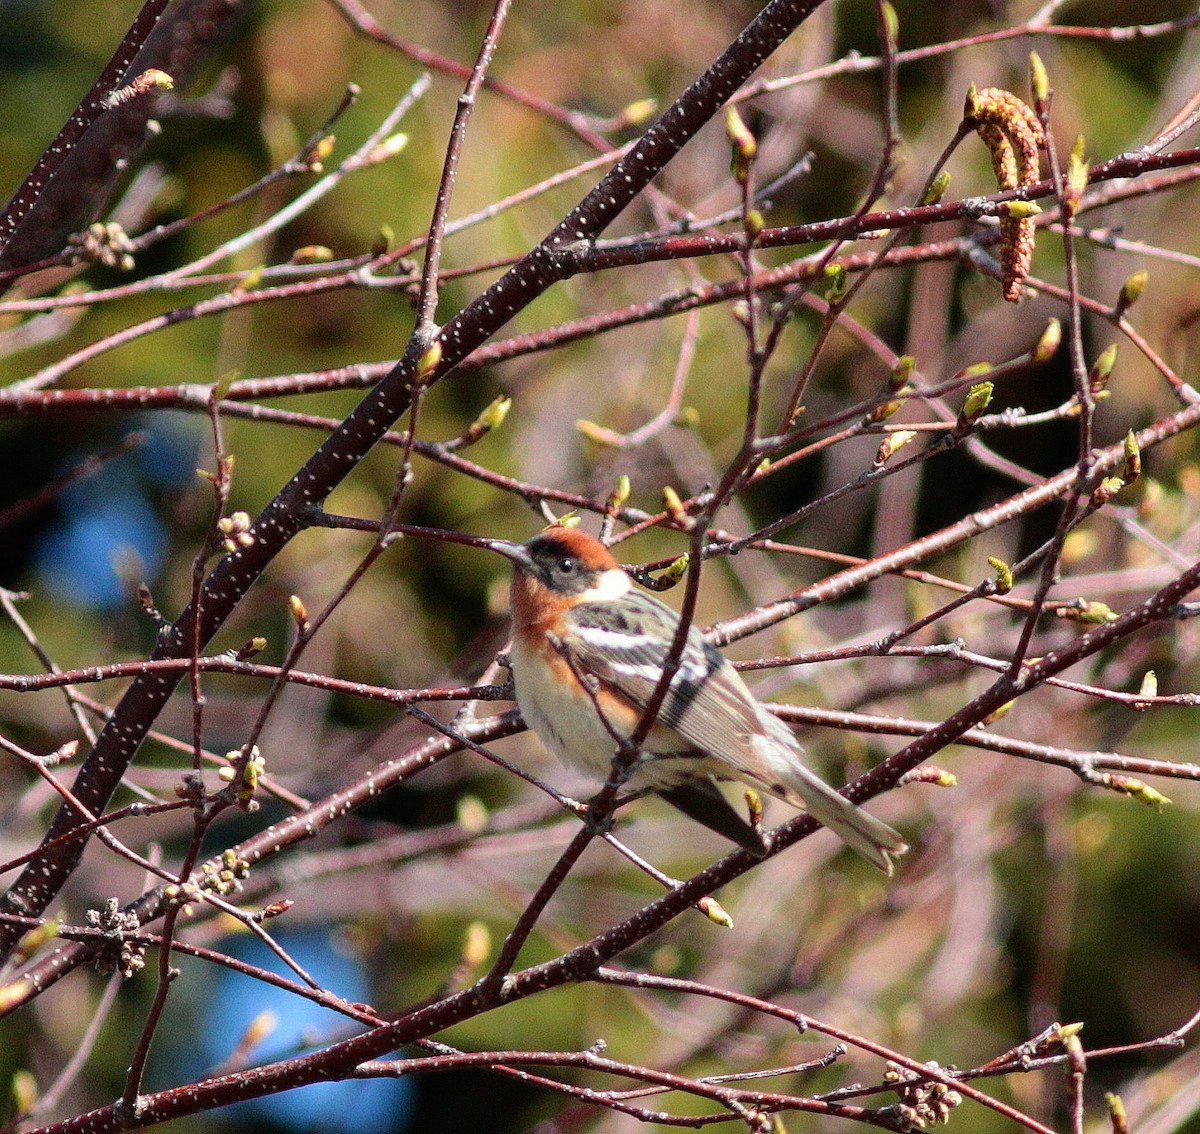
514,551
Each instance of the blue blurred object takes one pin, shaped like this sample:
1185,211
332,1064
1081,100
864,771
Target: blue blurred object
232,1001
110,515
78,557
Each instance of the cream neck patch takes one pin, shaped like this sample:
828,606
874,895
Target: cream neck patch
611,585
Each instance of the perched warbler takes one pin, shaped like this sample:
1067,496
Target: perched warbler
588,651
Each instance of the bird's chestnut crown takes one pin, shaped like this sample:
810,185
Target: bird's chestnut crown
566,560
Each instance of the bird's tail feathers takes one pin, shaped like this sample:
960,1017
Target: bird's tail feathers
858,829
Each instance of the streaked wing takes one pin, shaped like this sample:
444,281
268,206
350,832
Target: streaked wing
625,645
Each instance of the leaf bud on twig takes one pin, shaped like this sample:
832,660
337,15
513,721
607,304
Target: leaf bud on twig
715,912
636,113
1101,369
151,81
1116,1113
930,774
902,372
1132,468
978,399
1137,789
1048,344
1106,490
1077,179
428,363
1131,290
891,24
937,188
1004,575
311,254
674,507
619,495
892,444
1086,613
1039,82
298,611
835,291
1148,689
674,571
743,144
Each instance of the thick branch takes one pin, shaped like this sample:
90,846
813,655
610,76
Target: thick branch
283,517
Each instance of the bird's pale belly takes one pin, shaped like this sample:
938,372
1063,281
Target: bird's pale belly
566,719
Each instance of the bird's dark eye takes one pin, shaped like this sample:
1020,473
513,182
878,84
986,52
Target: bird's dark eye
566,566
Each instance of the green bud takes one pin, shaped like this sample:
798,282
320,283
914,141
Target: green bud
739,134
978,399
930,774
1039,81
676,569
594,432
937,188
221,389
715,912
1149,687
471,814
1133,459
249,281
902,372
892,443
493,414
322,151
1142,792
619,494
1107,489
743,144
971,102
386,149
1087,613
1004,575
891,24
34,939
1077,178
835,291
638,112
24,1090
312,254
999,713
883,411
672,503
250,648
428,363
383,240
298,611
1116,1113
1048,344
1102,368
1131,290
1022,210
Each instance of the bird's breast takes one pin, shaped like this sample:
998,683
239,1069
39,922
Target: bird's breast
576,724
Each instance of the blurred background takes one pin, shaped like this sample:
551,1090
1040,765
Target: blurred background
1030,897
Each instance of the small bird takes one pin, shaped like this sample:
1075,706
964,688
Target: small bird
587,654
